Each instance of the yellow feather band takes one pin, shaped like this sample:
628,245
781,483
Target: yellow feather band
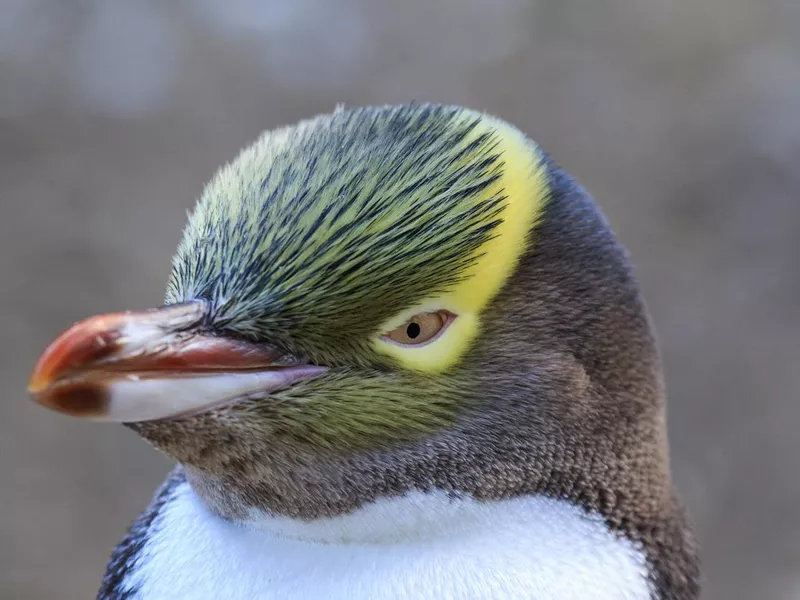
524,185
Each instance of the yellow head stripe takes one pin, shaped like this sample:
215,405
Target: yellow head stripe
524,184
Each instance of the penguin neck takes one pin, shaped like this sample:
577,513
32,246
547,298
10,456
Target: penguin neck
396,548
420,517
409,517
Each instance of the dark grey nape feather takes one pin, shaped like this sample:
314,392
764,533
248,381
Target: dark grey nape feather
576,220
126,554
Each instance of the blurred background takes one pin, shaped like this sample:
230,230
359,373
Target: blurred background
680,117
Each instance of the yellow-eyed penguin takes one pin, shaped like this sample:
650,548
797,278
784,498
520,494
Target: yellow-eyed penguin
402,357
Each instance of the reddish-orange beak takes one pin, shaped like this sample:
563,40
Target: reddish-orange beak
139,366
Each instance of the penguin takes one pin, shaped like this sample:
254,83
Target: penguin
401,356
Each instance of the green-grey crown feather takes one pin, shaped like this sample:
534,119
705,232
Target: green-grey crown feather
322,229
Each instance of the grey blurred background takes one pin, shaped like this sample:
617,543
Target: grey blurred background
681,118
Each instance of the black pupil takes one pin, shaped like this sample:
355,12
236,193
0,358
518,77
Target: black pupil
413,330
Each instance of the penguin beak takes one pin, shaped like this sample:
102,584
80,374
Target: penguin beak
149,365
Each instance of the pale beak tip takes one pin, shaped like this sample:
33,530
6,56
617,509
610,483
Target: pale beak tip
85,343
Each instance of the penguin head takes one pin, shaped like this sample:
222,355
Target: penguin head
385,299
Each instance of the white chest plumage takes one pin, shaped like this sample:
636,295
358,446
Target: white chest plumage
415,547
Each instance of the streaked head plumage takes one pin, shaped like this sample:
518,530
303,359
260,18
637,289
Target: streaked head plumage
319,235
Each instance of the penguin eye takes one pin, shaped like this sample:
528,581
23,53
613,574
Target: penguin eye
420,328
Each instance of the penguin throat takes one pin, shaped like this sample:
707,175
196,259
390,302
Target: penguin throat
394,548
